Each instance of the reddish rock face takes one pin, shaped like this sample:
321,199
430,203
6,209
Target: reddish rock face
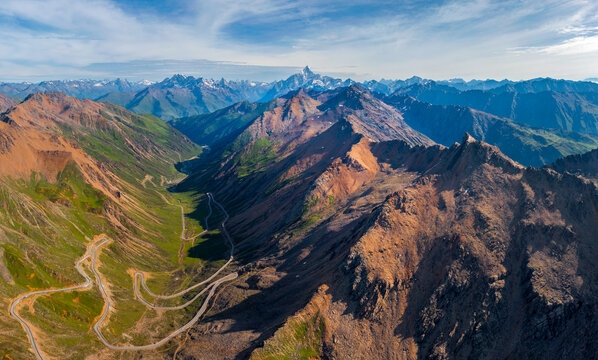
409,250
41,135
31,139
479,258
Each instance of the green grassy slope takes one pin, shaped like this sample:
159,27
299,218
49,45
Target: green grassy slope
210,128
45,227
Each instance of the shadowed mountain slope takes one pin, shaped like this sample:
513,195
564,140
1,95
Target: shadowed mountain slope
391,249
213,127
558,107
527,145
580,164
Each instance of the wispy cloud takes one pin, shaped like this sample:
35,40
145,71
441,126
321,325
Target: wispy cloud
573,46
576,34
439,39
457,11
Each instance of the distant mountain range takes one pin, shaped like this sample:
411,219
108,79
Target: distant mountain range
382,118
528,145
545,103
305,79
82,89
180,95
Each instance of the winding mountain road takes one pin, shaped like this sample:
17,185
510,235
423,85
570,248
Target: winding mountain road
91,252
13,312
141,277
184,226
108,305
211,286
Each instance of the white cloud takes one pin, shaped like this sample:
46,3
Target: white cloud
477,38
579,30
574,46
456,11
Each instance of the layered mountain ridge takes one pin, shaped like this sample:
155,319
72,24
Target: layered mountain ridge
546,103
6,103
415,251
181,95
445,124
84,89
397,116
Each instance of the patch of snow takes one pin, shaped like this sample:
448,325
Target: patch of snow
208,83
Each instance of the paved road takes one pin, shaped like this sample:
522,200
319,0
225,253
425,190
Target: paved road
184,226
86,284
226,217
155,307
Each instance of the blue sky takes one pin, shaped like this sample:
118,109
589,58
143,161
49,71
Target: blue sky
266,40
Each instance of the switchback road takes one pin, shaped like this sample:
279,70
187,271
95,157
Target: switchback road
91,252
212,286
13,312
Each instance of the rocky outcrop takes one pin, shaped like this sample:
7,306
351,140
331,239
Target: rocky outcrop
488,260
373,118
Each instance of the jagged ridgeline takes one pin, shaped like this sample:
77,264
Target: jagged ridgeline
376,225
70,170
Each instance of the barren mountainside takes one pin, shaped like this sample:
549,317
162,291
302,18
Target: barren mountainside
428,253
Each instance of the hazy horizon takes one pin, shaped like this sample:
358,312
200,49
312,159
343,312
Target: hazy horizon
266,76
